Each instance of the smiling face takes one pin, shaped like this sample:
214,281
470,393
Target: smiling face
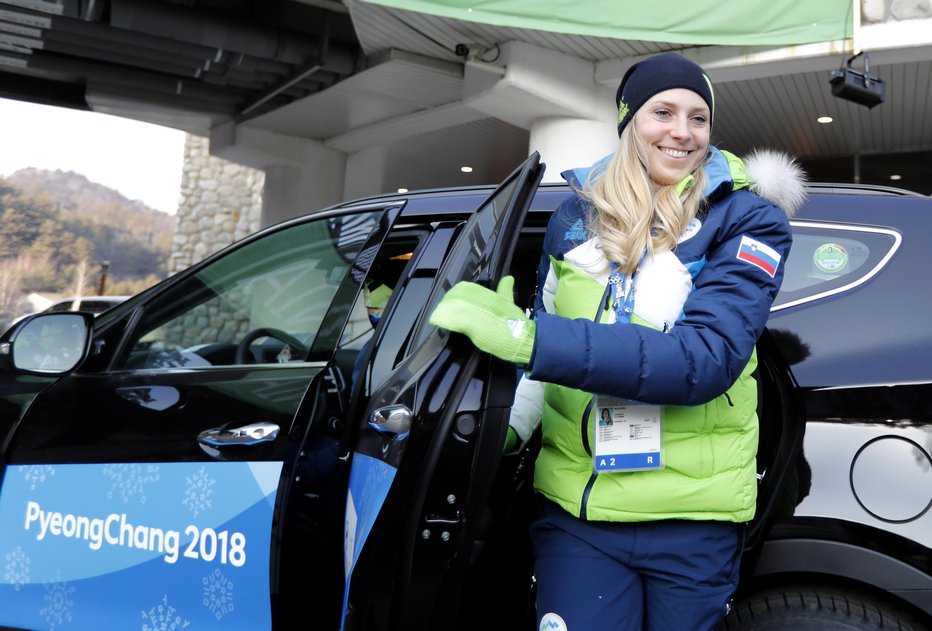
674,127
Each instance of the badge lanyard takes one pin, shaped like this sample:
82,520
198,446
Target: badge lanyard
623,304
627,434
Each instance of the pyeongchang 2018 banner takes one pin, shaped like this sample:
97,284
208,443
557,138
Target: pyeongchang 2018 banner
137,546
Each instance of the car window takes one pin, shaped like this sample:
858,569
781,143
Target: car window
358,329
827,259
385,282
262,303
464,258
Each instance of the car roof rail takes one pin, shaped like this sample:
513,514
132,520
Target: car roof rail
818,188
848,188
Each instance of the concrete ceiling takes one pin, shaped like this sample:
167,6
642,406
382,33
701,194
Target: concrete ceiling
352,75
190,64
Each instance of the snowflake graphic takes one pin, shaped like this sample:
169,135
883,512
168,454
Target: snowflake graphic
218,594
36,474
163,617
58,604
130,480
16,570
197,495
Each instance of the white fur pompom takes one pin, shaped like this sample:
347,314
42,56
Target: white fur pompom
777,178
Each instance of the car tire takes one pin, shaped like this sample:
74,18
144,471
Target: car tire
816,608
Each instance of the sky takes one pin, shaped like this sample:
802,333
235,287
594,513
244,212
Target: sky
140,160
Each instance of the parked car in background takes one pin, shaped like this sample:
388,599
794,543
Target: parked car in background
238,447
91,304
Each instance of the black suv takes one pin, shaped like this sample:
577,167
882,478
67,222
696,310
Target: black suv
238,447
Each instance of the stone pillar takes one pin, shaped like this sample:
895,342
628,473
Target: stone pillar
221,202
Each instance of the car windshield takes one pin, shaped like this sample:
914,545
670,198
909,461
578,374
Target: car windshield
272,292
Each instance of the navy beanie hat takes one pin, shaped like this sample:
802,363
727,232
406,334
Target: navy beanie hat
656,74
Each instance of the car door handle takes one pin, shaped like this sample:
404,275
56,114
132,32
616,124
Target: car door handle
391,420
251,434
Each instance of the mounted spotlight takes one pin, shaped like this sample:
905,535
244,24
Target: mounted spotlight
857,87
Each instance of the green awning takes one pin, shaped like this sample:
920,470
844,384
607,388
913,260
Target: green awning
716,22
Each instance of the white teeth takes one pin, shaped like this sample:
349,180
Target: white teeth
674,153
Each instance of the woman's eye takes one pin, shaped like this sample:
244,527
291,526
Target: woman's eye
702,120
662,113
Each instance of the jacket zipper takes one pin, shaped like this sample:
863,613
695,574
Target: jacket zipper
585,495
605,303
584,424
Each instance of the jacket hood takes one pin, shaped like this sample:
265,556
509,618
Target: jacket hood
769,174
778,178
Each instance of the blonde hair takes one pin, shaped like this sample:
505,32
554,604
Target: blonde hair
628,215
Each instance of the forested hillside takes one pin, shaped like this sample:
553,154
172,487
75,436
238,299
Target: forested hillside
59,226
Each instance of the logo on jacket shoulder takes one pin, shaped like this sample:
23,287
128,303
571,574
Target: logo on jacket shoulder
759,255
577,232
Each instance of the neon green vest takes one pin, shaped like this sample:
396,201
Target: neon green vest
708,450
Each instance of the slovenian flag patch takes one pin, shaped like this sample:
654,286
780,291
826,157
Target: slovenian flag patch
759,254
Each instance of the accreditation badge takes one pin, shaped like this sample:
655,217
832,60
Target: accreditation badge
627,436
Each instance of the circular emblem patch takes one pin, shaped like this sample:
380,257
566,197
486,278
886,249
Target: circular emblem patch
830,258
552,622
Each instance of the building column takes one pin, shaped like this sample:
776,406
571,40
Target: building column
571,118
301,175
365,173
292,191
565,143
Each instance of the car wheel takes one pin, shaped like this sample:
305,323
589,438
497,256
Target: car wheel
815,608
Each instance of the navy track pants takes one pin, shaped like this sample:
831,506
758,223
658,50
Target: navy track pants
646,576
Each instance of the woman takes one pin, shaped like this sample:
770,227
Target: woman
655,282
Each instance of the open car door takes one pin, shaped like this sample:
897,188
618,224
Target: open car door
149,487
429,445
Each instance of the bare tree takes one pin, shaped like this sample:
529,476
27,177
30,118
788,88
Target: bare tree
79,279
12,273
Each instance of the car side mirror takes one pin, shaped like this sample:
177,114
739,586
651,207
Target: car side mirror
49,343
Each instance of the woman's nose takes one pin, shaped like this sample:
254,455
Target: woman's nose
680,127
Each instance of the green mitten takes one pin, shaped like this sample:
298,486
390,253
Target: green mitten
511,441
491,319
